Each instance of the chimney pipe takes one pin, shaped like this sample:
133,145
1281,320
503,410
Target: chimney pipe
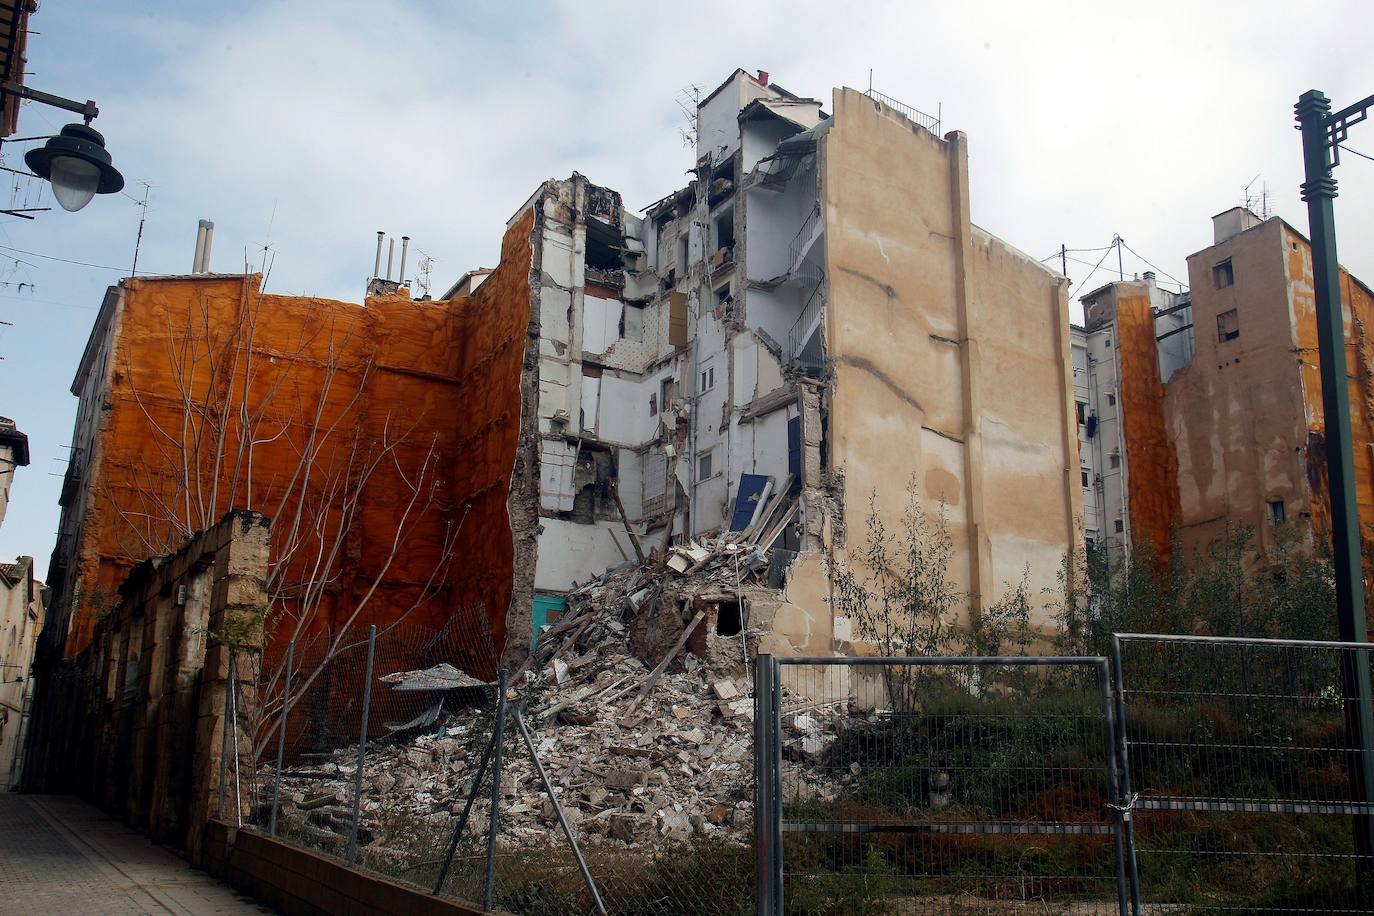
405,244
390,253
201,262
377,263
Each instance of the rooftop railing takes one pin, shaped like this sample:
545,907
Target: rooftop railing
929,122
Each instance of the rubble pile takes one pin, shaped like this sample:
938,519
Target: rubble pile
641,750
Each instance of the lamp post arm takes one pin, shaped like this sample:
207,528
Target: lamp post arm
86,109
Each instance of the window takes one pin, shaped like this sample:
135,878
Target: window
1111,399
704,466
1228,326
723,297
682,254
1082,409
707,381
1115,461
1085,479
632,322
1277,515
667,392
1120,526
653,405
725,229
1223,275
1091,544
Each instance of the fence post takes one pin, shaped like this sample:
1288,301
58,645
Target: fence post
775,778
1124,761
362,747
1120,810
489,893
281,736
763,790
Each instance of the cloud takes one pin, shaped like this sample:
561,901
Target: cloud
331,120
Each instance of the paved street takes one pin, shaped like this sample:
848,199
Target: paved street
59,855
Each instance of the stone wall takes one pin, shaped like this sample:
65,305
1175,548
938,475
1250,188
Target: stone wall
137,725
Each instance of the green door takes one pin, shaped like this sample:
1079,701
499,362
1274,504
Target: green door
547,610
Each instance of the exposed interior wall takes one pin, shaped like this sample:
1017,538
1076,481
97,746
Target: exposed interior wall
945,340
1152,500
1358,314
429,392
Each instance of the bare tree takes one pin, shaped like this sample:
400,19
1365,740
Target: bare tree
244,422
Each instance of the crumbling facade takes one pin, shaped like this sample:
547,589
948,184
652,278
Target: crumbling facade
812,320
1245,415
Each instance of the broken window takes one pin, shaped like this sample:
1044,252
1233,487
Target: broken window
729,619
604,246
1228,326
1223,274
667,393
723,297
682,254
1277,515
723,230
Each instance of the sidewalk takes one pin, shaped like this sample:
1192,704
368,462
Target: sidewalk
62,856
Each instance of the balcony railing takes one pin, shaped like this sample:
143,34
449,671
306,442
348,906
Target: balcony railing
800,334
929,122
803,236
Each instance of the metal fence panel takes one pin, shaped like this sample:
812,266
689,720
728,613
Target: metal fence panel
1243,776
941,785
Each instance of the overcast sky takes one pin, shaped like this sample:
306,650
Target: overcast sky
308,126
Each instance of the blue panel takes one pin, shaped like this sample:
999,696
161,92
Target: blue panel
747,499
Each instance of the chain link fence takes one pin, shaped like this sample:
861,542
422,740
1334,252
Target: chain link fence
378,759
1246,773
939,785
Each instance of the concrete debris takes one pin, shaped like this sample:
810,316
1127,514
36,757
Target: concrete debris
440,677
630,767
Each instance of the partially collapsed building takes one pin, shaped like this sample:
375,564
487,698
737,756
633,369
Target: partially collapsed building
812,321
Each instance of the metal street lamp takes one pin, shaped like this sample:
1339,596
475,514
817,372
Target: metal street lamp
1322,135
75,161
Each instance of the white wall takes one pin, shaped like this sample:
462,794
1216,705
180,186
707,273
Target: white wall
570,553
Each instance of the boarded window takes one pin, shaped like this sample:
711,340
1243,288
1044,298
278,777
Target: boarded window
677,320
1228,326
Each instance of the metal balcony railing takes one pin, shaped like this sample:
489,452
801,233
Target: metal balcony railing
929,122
808,228
801,330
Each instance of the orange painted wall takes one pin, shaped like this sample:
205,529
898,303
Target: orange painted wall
1152,481
1359,353
416,375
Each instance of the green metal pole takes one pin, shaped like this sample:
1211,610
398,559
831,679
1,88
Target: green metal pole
1319,191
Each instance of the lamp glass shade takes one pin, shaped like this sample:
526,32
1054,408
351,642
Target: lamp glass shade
74,181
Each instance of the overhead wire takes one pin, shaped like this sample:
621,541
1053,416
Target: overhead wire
1356,152
1148,264
49,257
